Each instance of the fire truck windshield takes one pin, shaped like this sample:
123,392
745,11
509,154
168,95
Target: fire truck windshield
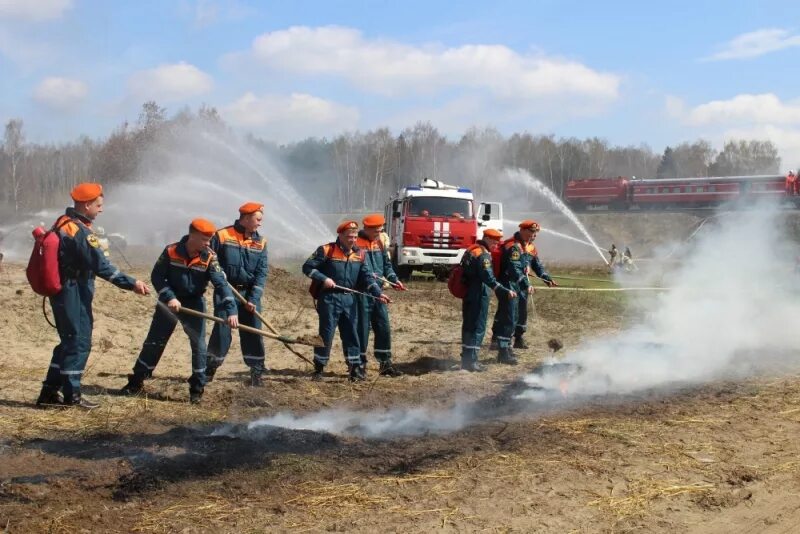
439,207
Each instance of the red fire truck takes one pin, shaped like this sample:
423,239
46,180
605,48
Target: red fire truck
430,225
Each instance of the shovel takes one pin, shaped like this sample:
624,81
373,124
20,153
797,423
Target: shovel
317,340
302,340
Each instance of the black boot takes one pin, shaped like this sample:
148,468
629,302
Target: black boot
519,343
75,400
211,370
387,369
507,357
49,397
472,367
357,373
195,396
134,386
318,369
255,378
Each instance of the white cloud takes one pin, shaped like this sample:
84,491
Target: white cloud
392,68
745,116
287,118
786,139
170,83
33,10
756,43
746,108
61,94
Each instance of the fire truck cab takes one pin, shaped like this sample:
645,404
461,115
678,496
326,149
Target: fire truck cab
430,225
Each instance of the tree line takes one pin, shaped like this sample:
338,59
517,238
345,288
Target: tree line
357,171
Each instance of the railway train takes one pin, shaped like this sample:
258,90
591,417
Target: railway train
623,193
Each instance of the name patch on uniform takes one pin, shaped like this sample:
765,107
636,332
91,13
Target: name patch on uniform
93,242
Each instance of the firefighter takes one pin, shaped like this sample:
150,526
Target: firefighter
480,279
529,230
335,268
372,313
242,254
518,257
80,260
181,275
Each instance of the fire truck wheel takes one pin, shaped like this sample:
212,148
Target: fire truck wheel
403,272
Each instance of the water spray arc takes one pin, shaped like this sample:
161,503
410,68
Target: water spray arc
524,178
276,180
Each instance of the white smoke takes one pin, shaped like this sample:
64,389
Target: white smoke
374,424
729,314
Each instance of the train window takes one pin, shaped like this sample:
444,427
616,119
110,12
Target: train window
665,189
651,190
712,188
676,189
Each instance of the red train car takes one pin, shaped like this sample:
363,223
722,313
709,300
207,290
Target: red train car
597,193
676,193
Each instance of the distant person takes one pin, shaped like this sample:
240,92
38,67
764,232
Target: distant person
612,256
242,254
627,261
181,275
479,276
337,267
792,184
80,260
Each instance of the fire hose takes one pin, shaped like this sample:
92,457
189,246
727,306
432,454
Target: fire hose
348,290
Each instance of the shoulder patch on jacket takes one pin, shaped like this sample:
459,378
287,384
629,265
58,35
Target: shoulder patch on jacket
93,241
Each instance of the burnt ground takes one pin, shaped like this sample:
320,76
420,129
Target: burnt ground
716,458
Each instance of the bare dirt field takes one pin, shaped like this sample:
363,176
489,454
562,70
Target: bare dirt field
717,458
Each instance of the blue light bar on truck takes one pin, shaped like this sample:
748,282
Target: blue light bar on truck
464,190
413,188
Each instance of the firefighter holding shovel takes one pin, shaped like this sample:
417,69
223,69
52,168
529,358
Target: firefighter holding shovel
337,269
372,313
180,276
242,254
80,260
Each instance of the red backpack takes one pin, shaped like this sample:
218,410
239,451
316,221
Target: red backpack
497,258
456,282
42,271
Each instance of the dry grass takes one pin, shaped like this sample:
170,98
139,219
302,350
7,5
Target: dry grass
641,494
116,415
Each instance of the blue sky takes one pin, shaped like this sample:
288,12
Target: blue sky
630,72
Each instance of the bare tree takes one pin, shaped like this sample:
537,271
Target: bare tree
14,147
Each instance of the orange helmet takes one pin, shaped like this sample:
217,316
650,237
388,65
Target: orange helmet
531,225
